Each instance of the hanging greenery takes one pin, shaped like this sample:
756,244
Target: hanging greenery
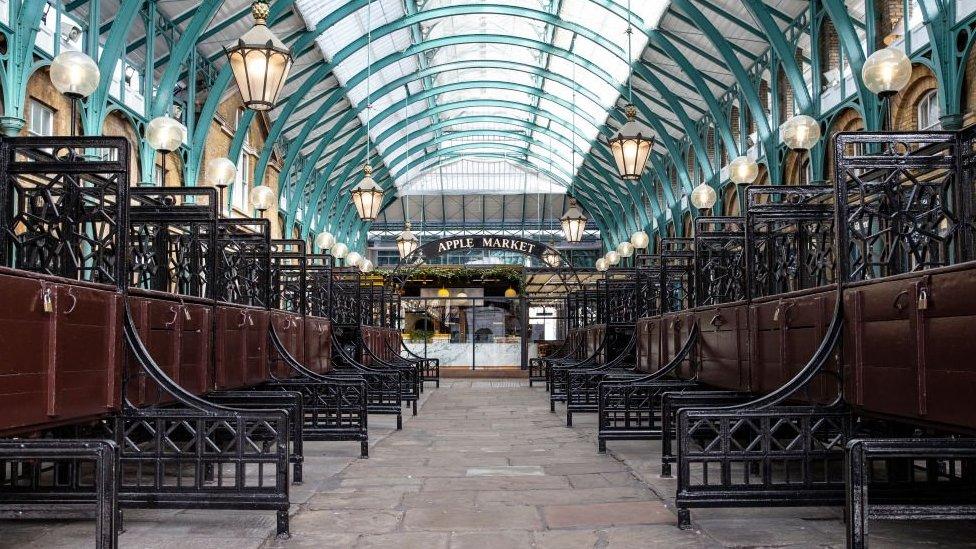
454,276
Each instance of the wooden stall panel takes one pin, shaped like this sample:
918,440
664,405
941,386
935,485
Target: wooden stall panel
723,349
318,344
256,347
909,347
785,334
196,348
59,360
645,331
231,355
675,330
87,362
290,328
948,347
25,357
879,347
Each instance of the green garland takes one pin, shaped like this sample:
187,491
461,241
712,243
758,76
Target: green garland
453,275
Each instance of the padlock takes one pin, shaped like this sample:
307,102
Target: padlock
923,299
186,312
46,298
776,315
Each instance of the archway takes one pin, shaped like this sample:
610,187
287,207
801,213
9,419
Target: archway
487,322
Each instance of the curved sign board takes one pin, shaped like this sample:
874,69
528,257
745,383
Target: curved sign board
479,242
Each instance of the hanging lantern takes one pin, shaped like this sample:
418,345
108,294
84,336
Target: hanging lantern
443,292
887,71
573,222
406,241
339,250
366,266
743,170
703,197
551,256
74,74
601,264
511,293
367,196
640,240
625,249
353,259
612,257
800,132
165,134
324,241
260,62
262,198
631,147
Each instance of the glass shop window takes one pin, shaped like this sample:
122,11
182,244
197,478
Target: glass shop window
929,112
41,119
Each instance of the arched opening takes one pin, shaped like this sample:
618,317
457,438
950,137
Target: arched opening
730,200
119,125
847,120
917,103
829,49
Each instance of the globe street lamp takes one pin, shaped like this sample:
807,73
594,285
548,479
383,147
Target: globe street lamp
76,75
260,62
324,241
640,240
703,197
221,172
262,198
165,134
339,250
885,73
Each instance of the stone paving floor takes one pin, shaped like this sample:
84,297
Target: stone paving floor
486,464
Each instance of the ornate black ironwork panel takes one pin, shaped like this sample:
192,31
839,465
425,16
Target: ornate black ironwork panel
677,274
61,206
618,303
318,284
347,297
719,260
789,238
288,276
243,261
905,200
648,281
171,239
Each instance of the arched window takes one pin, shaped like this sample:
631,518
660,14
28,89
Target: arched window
786,103
848,120
929,112
829,48
688,225
735,127
889,21
730,200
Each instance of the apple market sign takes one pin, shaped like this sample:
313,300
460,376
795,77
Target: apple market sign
480,242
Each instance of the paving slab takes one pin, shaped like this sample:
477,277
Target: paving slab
486,465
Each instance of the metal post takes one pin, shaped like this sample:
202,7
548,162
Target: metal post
524,321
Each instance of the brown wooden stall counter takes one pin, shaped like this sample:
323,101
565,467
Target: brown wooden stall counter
242,344
290,328
59,351
177,333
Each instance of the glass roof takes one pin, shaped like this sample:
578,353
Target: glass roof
492,89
